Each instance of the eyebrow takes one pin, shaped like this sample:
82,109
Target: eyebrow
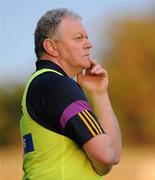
80,33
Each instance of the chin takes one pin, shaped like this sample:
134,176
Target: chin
87,65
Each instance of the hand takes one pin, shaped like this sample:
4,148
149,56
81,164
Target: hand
95,80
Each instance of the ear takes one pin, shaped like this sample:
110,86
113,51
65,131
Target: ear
50,48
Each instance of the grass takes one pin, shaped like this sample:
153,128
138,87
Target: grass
138,163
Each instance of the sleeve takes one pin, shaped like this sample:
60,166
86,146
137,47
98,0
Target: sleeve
66,109
77,118
82,127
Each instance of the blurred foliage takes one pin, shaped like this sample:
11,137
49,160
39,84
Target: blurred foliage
130,62
131,66
10,114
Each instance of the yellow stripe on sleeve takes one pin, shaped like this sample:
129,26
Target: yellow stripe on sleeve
86,123
91,122
94,121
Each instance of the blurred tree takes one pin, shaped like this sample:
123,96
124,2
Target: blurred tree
131,66
10,114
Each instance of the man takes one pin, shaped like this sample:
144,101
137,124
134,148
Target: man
66,137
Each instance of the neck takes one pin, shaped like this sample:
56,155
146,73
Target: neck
69,71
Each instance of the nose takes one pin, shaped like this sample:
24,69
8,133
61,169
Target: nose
88,44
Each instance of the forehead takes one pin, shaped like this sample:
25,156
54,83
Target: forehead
72,26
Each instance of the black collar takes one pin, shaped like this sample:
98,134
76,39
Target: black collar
41,64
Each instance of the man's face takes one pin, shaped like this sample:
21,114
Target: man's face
73,48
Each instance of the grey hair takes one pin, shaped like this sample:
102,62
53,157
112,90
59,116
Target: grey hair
48,27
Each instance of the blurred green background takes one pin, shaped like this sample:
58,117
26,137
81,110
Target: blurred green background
130,62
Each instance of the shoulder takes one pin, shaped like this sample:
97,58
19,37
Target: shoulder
50,82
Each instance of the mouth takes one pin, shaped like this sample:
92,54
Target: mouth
87,55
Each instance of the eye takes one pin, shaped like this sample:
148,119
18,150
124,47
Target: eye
78,37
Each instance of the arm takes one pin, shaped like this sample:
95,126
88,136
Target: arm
100,152
103,150
108,121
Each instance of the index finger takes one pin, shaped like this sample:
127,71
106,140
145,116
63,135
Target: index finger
92,61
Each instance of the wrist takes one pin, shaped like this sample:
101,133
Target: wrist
97,99
97,95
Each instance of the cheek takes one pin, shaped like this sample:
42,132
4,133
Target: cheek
64,53
75,53
71,52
